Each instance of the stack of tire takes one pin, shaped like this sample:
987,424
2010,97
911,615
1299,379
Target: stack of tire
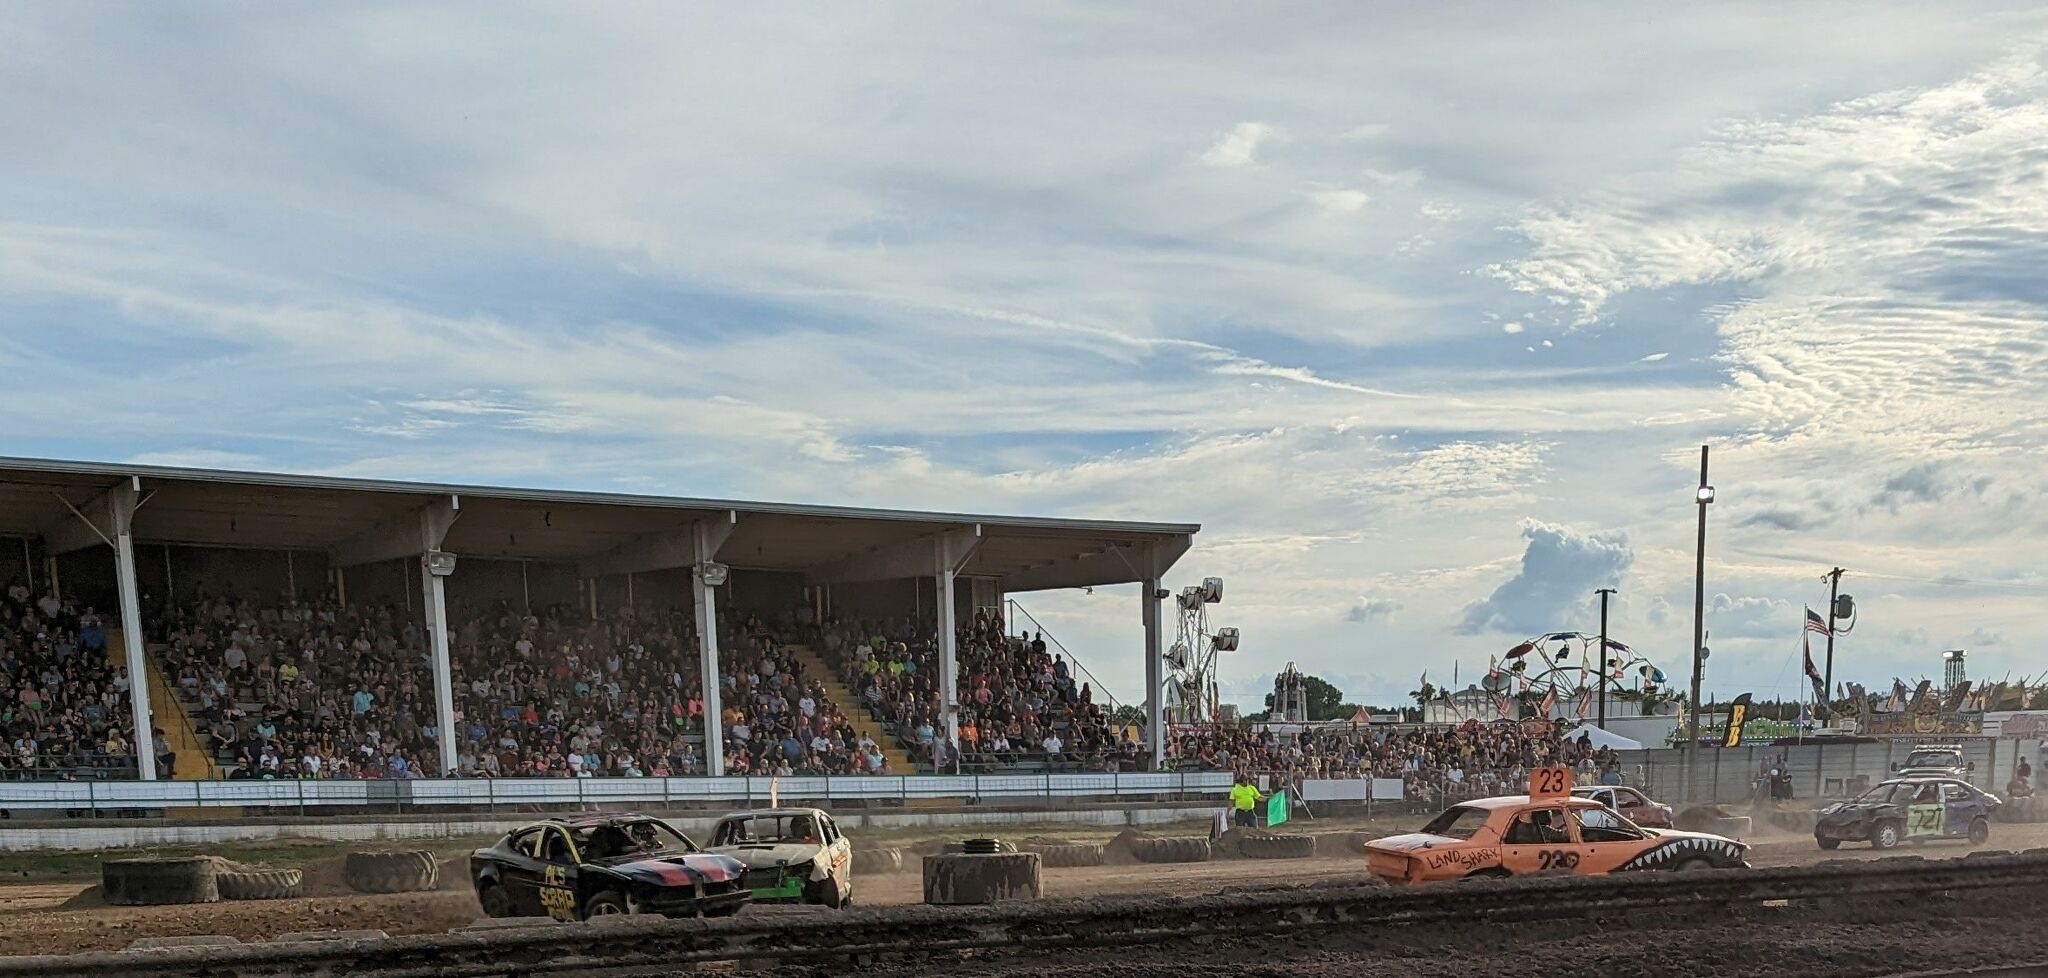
391,872
980,871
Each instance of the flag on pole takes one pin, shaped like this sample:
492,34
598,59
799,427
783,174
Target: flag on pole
1815,623
1585,704
1549,703
1820,686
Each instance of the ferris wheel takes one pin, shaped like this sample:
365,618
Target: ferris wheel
1569,666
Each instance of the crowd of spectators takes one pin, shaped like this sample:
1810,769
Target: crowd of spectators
1436,763
1017,701
304,689
64,707
556,694
319,690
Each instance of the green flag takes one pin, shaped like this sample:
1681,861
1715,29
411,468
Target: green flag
1276,809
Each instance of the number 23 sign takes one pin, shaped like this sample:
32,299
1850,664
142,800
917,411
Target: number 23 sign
1550,782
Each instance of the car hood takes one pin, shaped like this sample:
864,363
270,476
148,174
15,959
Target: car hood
758,856
1684,834
1413,842
687,869
1848,811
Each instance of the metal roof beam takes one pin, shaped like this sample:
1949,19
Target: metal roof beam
921,556
410,535
674,547
1122,564
95,523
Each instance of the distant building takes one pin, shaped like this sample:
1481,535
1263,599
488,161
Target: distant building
1952,672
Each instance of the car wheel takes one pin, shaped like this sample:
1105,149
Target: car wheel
1827,843
1886,835
1692,865
1489,873
495,901
825,893
606,904
1980,830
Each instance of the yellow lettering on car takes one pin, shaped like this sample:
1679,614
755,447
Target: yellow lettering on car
559,902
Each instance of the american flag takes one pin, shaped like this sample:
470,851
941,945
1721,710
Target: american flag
1815,623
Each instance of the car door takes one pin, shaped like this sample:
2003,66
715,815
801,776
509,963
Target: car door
1959,805
519,871
1605,840
556,892
1927,812
1538,840
837,853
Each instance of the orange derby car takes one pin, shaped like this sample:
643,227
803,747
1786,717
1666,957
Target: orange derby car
1518,834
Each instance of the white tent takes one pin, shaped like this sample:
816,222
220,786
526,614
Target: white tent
1603,738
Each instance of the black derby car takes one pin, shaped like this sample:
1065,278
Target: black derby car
1908,810
599,865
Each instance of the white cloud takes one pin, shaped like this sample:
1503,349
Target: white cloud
1653,358
1239,146
1560,567
1511,328
1367,609
1340,200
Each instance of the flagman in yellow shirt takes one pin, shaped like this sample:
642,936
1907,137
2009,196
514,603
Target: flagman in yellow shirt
1244,801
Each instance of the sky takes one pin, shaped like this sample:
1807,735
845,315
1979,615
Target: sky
1422,313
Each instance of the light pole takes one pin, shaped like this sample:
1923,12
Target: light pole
1604,593
1828,678
1704,498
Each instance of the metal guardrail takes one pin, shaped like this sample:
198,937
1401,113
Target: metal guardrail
495,793
868,935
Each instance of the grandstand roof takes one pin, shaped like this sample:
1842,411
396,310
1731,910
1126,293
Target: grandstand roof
207,507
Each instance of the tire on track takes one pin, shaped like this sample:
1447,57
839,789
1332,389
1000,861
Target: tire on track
155,882
1068,856
391,872
1179,849
878,861
1278,847
258,884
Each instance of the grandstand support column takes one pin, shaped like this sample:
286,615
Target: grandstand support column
951,551
136,645
706,537
1148,613
434,599
949,661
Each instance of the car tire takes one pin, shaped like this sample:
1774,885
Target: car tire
491,896
1692,866
258,884
1980,830
825,893
608,903
1827,843
1489,873
391,872
1886,835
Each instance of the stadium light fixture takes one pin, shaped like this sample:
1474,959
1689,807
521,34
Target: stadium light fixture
439,563
713,573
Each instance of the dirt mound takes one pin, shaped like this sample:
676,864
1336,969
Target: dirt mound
87,899
1043,840
455,873
324,879
1118,851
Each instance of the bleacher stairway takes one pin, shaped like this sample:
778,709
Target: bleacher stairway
193,762
848,702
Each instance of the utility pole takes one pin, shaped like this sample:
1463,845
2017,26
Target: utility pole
1604,593
1704,497
1828,677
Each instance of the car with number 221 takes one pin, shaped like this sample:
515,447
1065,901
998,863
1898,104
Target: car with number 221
600,865
1908,810
1547,830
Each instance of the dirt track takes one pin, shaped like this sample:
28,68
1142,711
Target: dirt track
41,923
